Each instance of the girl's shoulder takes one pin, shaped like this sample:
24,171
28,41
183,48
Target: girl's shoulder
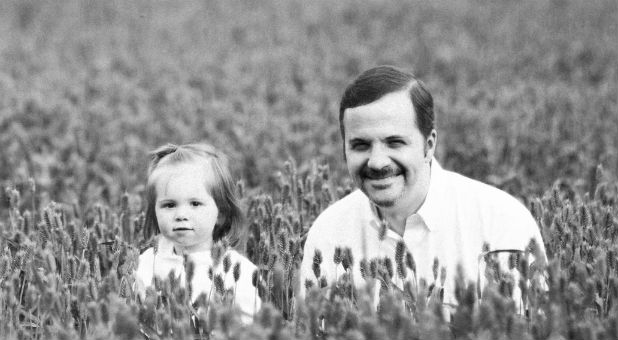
146,252
157,243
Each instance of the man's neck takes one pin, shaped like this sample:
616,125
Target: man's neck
397,215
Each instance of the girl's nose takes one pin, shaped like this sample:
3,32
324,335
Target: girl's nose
180,218
181,214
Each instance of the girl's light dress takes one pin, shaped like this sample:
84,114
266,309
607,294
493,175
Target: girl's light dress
165,261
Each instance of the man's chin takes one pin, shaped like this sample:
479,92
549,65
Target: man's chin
383,203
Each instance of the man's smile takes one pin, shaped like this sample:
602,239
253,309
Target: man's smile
368,173
381,183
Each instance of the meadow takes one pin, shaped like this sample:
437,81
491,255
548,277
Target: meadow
526,96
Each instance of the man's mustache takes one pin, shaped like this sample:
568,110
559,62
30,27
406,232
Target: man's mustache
384,172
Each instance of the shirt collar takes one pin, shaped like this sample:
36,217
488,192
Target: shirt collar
430,209
165,247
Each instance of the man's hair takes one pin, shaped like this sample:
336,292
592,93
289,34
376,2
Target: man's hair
222,188
379,81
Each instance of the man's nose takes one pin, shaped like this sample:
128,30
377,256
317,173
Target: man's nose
378,158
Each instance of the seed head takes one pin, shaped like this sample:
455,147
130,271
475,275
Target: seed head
255,276
13,196
388,264
219,285
271,261
316,270
227,263
265,256
317,257
410,262
513,260
523,268
373,268
347,260
363,268
323,282
611,259
236,271
486,247
282,241
436,266
401,268
400,250
337,255
534,249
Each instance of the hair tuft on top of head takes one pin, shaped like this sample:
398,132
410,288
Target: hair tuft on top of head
379,81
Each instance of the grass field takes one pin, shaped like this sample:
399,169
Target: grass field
526,97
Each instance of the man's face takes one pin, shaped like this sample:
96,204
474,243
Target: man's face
385,151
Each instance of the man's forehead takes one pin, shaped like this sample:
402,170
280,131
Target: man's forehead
397,99
386,118
395,102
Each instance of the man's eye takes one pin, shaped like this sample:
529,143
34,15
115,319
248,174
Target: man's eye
396,143
359,146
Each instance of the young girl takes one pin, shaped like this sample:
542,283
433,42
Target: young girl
192,205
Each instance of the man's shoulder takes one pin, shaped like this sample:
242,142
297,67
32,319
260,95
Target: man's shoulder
474,190
346,213
489,201
354,202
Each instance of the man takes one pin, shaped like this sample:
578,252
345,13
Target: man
387,124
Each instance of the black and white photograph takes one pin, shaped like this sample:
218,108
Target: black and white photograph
309,170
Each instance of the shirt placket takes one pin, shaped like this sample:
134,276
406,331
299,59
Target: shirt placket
416,239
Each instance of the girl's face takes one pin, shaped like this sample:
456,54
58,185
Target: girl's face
185,210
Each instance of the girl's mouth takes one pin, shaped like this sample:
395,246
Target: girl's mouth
182,229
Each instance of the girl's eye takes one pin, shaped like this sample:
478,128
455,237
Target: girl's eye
168,205
196,203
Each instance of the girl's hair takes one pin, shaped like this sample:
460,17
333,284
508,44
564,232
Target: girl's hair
222,190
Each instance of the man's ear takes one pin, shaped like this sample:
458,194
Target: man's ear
430,145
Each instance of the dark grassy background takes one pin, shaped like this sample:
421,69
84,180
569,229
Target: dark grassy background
526,91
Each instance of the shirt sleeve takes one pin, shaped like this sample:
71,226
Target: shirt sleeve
143,274
513,226
306,271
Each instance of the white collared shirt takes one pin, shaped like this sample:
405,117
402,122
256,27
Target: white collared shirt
165,260
458,216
